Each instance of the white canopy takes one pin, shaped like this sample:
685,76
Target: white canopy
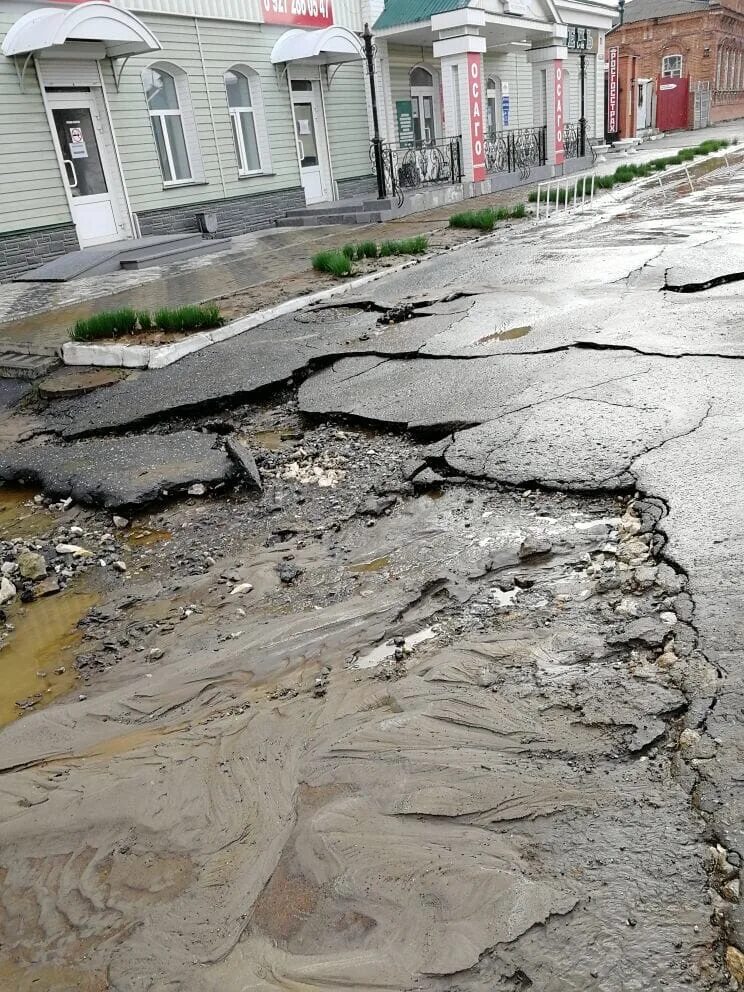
326,47
121,33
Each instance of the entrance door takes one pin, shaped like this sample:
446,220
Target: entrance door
77,128
643,110
310,138
672,103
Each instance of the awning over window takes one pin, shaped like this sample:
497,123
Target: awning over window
120,32
327,47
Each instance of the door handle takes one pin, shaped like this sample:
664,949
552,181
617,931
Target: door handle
301,147
74,181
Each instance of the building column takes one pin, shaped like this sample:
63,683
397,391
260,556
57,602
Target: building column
461,61
552,59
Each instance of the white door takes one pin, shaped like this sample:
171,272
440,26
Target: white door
87,174
643,113
310,138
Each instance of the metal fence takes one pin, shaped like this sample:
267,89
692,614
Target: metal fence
411,167
517,150
576,142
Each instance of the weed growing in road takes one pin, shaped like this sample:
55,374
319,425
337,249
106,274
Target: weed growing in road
486,219
335,263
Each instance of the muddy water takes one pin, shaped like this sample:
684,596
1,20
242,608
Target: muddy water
19,515
145,537
510,334
373,565
44,641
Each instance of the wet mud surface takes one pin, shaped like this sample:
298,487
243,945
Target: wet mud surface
452,702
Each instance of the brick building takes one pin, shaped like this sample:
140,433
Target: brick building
680,64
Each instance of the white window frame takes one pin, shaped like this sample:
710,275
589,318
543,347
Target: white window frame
259,123
671,73
188,125
495,91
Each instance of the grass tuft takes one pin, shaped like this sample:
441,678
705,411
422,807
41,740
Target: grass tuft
335,263
367,249
350,251
110,324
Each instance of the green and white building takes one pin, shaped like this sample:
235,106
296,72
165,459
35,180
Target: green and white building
131,118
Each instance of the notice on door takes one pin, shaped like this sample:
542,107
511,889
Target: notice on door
404,115
76,144
301,13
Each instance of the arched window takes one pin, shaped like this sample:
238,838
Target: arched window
243,112
671,66
166,117
421,82
494,119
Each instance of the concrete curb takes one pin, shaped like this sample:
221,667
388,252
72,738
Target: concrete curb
143,357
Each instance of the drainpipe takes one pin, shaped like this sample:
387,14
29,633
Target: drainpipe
376,140
621,8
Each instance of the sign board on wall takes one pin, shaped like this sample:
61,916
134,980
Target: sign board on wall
613,93
581,39
404,117
300,13
475,104
558,104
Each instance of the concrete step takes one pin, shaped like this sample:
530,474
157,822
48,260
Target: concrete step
161,254
95,261
318,220
348,206
21,365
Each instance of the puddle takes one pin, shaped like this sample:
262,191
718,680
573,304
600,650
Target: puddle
387,650
271,440
434,493
45,640
511,334
20,516
143,537
374,565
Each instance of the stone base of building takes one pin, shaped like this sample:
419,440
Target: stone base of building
351,189
238,215
24,250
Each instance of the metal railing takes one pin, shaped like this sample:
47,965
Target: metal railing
517,150
562,196
410,167
576,143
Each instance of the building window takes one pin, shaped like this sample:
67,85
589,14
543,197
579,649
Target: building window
421,82
167,121
494,119
671,65
242,107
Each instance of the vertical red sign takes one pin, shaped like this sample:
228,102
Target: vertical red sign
558,104
613,93
475,103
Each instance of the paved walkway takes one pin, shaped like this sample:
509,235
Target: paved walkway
261,268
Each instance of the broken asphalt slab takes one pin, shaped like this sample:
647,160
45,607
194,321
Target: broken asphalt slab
128,471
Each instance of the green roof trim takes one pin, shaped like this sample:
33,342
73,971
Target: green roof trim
398,12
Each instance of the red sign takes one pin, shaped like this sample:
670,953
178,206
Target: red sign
613,94
558,103
475,100
300,13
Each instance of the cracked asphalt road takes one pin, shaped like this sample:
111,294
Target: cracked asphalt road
533,483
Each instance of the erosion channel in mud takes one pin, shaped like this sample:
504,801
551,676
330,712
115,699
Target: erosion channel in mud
347,736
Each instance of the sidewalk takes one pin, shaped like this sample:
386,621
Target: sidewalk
263,268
